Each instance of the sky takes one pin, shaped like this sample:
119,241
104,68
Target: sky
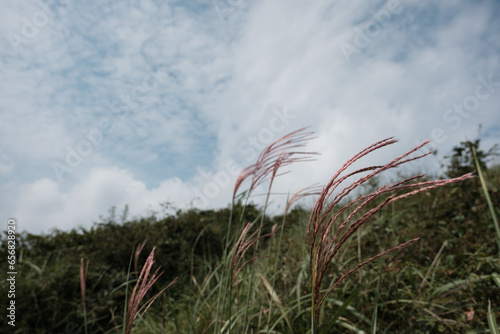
159,104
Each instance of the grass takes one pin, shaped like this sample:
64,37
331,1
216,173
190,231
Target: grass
487,196
325,238
418,256
492,323
143,285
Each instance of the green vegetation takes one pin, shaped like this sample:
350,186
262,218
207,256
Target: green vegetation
240,271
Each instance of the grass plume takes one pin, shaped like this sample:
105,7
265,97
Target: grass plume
143,285
242,246
278,154
84,269
324,244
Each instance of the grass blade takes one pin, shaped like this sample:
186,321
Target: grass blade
487,195
375,310
496,278
492,322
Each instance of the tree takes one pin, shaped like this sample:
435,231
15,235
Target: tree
462,158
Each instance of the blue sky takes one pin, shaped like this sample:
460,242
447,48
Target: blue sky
141,102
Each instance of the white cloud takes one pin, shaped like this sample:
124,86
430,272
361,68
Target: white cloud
42,205
224,81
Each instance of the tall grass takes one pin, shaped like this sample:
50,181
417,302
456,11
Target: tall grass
281,153
240,292
328,229
325,237
492,323
84,269
144,283
487,196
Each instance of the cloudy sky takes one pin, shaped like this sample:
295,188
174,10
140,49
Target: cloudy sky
142,102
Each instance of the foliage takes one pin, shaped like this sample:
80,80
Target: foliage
462,159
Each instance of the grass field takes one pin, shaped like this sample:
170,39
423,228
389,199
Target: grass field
239,270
